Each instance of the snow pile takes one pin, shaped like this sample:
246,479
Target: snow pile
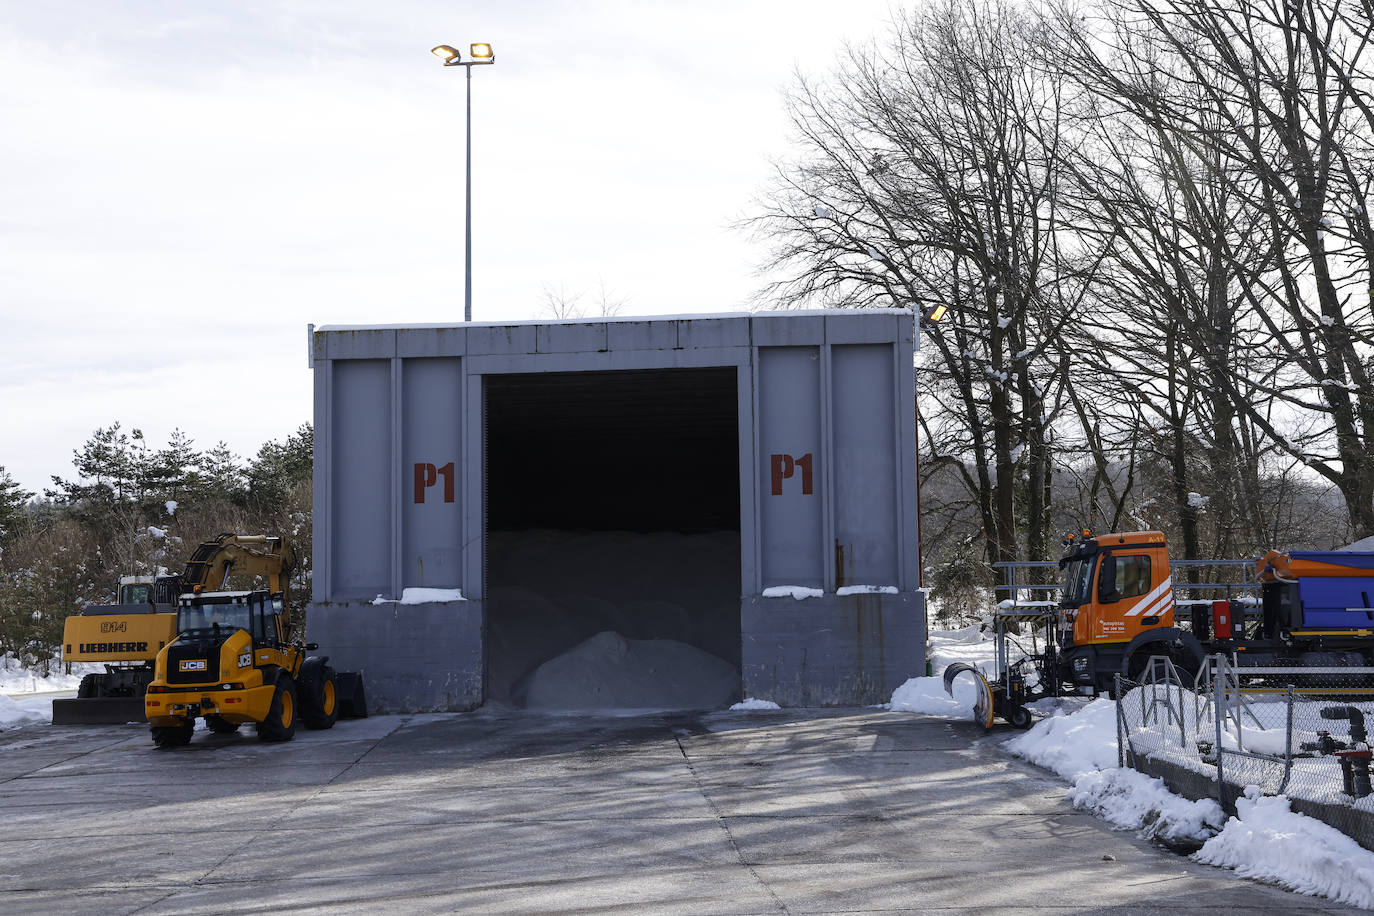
16,679
424,596
792,591
1131,800
16,712
609,671
926,695
1269,842
750,703
1078,743
550,591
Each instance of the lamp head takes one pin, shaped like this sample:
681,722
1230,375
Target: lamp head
448,54
481,53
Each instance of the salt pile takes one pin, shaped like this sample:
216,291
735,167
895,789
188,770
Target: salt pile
552,591
609,671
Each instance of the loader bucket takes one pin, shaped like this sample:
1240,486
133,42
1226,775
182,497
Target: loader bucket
352,700
982,705
98,711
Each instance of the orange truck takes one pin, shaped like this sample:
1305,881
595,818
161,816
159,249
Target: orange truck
1117,609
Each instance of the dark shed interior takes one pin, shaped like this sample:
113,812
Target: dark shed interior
612,506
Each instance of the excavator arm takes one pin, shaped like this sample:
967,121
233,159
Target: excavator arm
212,562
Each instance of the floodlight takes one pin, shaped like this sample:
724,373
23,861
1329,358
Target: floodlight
449,55
481,51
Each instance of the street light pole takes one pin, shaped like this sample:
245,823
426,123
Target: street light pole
481,53
467,226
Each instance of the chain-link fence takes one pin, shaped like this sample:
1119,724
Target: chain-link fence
1298,732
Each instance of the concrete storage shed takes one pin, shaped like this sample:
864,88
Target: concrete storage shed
662,478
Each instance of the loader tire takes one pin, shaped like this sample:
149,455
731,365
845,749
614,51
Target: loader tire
1019,717
280,724
173,735
220,726
89,687
319,697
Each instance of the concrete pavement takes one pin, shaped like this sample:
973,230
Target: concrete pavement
803,811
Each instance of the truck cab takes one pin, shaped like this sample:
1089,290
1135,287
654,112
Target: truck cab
1117,599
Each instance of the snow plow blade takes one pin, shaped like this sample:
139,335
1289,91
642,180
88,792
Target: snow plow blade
97,711
982,706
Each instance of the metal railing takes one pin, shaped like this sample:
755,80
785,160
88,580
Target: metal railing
1294,731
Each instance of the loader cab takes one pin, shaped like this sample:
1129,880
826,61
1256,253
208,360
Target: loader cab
214,616
1115,587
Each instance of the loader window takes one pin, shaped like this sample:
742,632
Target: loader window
229,615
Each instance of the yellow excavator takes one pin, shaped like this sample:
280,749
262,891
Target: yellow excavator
127,636
235,660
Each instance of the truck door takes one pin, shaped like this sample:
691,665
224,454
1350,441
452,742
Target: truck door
1134,593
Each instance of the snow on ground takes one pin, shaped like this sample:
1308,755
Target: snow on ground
1130,800
15,679
1266,840
926,695
1269,842
24,710
749,703
1083,741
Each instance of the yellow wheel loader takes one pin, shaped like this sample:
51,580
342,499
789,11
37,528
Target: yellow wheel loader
127,636
233,663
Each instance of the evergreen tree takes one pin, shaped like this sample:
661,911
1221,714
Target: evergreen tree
12,500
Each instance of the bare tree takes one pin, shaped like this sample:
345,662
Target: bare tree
931,177
1276,96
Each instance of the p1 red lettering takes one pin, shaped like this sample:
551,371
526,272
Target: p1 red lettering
427,475
783,467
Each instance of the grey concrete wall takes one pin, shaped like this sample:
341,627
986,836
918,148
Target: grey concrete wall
831,651
414,657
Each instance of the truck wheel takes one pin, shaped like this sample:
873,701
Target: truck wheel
280,724
90,687
1019,717
219,726
173,735
320,698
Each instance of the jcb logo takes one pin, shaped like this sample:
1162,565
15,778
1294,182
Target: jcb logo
783,467
427,475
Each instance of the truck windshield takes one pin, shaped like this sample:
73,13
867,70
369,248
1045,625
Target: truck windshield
1078,576
230,615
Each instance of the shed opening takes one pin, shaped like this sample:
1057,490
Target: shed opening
613,538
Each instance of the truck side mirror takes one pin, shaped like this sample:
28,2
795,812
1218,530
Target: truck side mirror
1106,580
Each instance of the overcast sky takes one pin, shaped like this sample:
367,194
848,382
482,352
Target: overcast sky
187,185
